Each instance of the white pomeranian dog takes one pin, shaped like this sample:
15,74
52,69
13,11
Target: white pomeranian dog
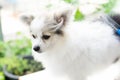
84,50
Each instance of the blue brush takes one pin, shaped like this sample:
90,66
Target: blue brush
118,31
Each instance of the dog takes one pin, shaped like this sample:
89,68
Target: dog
83,50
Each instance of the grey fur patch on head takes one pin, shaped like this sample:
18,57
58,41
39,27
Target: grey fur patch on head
57,21
27,19
65,16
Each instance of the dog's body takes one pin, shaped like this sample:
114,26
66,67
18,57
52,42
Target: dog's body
78,49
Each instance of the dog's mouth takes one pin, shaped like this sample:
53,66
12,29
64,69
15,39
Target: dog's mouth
40,51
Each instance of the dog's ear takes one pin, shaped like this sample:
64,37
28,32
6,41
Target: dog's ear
27,19
62,18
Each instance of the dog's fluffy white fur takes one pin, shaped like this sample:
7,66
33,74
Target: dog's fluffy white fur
81,50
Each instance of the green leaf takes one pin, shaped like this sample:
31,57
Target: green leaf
78,15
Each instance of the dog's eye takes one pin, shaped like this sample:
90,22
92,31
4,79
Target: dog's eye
46,37
33,36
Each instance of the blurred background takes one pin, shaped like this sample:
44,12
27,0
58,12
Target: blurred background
15,44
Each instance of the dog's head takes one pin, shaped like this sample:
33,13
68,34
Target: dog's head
47,30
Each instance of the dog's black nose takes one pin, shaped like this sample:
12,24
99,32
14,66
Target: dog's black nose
36,48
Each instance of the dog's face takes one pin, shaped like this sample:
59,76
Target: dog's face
47,30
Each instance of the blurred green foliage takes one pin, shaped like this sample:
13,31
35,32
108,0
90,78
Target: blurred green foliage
2,76
19,66
15,47
20,46
11,50
109,6
106,8
73,2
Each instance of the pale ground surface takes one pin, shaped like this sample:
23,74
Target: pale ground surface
11,24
